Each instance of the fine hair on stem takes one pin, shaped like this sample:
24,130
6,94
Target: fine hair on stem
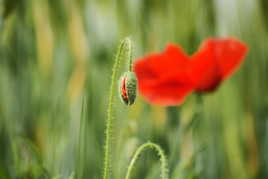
123,52
160,152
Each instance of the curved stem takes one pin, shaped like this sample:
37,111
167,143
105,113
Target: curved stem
125,46
128,43
163,159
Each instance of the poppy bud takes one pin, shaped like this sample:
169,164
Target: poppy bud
127,88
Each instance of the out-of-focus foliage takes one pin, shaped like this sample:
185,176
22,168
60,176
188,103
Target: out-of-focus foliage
56,58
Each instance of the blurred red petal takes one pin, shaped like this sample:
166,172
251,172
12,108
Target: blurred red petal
204,70
215,61
230,54
170,94
162,78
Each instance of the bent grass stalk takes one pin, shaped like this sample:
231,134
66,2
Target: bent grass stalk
163,159
124,47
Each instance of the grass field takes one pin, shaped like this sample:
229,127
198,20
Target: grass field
56,59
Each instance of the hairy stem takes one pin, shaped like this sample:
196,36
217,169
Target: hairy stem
129,53
160,152
124,47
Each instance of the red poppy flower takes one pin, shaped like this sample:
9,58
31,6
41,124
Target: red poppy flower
163,78
167,78
216,60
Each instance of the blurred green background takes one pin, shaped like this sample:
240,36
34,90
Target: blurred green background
56,60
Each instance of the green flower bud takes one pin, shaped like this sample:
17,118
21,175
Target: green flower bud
127,87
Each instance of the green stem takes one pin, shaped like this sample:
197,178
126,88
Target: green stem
198,137
163,159
124,47
129,51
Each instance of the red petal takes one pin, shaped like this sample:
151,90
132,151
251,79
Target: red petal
204,71
215,61
170,62
163,78
168,94
230,54
123,86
